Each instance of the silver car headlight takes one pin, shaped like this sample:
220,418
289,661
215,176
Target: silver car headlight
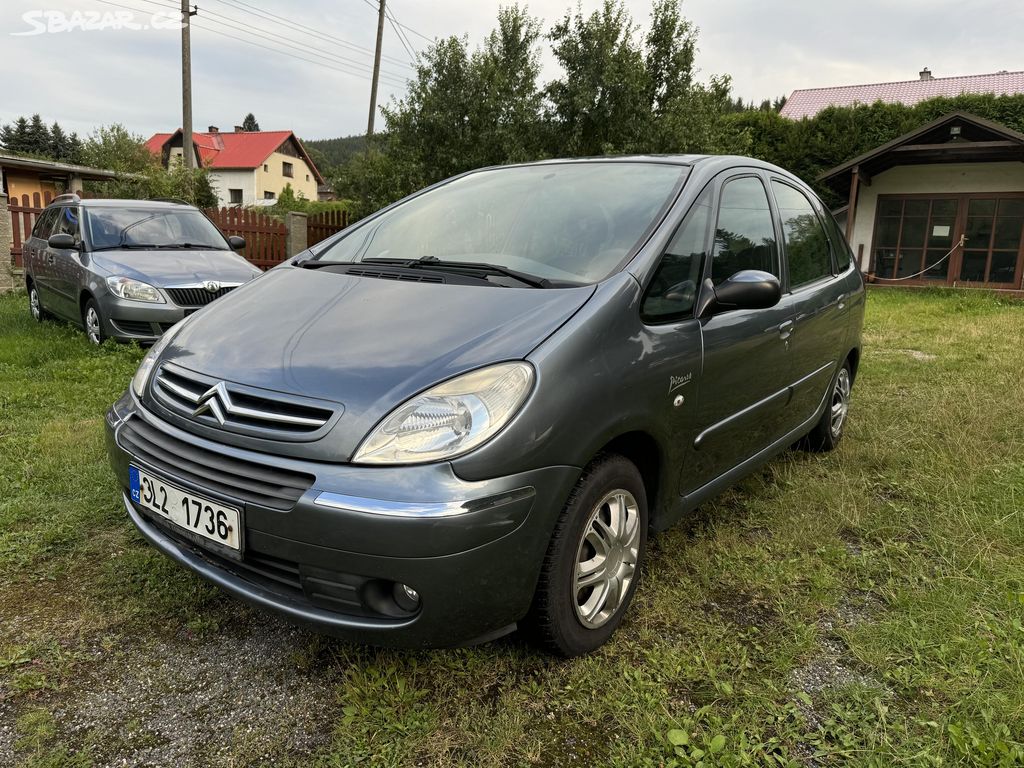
149,361
449,419
135,290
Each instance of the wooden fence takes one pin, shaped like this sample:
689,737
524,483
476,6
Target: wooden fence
265,238
24,211
320,226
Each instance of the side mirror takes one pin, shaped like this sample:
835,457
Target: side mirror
748,289
62,242
237,243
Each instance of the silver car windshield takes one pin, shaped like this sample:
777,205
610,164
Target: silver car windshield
566,222
113,228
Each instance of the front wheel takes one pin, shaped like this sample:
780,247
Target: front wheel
35,305
593,562
829,430
92,321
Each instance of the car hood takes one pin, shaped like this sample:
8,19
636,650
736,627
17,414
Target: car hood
172,267
366,343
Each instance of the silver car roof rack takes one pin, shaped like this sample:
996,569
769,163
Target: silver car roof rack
69,197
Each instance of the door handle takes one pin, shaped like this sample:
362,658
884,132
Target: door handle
841,300
50,258
786,329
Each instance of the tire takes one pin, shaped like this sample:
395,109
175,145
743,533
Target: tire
35,305
828,432
606,510
92,322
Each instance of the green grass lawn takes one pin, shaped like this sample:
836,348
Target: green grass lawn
860,608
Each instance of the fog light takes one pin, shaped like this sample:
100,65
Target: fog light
408,599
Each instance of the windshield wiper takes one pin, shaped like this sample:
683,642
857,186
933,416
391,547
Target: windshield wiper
127,246
192,246
432,262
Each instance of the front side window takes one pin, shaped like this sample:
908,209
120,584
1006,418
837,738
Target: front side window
807,249
673,290
566,222
183,228
745,234
67,222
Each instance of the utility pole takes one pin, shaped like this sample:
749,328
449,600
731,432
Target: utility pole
376,73
187,151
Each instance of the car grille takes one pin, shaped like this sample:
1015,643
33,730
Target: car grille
236,408
247,481
196,297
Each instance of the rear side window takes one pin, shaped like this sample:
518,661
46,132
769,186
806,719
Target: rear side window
745,234
841,248
807,247
673,291
44,224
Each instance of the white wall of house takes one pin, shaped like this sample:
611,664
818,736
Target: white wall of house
224,181
951,178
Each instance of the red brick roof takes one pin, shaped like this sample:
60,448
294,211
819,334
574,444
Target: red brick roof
248,149
810,101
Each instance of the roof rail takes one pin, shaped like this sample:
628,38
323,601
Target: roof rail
69,197
177,200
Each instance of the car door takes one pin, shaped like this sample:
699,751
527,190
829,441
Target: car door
742,385
37,259
817,297
66,263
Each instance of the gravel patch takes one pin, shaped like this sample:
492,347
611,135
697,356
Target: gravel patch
222,700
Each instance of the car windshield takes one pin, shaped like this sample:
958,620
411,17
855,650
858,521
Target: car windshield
111,228
562,222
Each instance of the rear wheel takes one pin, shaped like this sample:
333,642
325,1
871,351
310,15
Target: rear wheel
35,306
829,430
92,321
593,562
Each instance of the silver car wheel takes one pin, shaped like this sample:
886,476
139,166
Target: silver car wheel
92,325
840,402
33,304
606,558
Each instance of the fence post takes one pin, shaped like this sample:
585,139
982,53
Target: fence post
296,240
6,244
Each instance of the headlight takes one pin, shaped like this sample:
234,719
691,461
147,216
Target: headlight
449,419
146,366
136,290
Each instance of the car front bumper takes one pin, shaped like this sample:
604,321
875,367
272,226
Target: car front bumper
139,320
471,550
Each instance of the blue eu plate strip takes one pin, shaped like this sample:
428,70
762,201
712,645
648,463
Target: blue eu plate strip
133,484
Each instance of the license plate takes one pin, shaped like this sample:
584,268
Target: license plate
203,517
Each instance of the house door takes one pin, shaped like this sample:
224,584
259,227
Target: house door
992,253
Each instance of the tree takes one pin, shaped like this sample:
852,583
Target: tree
14,136
116,148
249,123
60,148
37,139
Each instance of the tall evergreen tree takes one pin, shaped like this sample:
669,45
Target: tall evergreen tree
59,148
249,123
38,136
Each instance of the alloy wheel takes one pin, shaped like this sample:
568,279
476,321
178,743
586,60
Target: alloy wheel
606,558
33,304
840,401
92,325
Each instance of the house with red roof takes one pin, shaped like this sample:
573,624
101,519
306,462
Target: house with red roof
944,203
246,167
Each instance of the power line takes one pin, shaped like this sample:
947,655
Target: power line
247,28
398,34
406,42
403,26
310,30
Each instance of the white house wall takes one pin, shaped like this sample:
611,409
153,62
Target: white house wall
222,181
928,180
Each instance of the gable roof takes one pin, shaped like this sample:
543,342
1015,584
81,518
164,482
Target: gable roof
976,140
808,102
242,150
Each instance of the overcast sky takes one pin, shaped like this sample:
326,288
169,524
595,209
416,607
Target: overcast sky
86,78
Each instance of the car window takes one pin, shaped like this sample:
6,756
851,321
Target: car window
807,248
745,234
67,222
841,248
673,290
44,224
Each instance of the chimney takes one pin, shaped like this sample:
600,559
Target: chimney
925,74
213,129
239,129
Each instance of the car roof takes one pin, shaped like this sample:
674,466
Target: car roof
712,163
124,203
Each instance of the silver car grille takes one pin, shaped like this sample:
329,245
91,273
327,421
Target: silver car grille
237,408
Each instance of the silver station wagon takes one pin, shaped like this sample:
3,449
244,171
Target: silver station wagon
466,413
128,269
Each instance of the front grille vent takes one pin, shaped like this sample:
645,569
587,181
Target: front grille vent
196,297
220,405
247,481
384,274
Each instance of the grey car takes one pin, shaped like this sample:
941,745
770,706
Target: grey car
466,413
128,269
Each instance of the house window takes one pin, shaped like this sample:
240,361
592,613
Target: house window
266,168
307,177
287,169
268,195
912,233
235,196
